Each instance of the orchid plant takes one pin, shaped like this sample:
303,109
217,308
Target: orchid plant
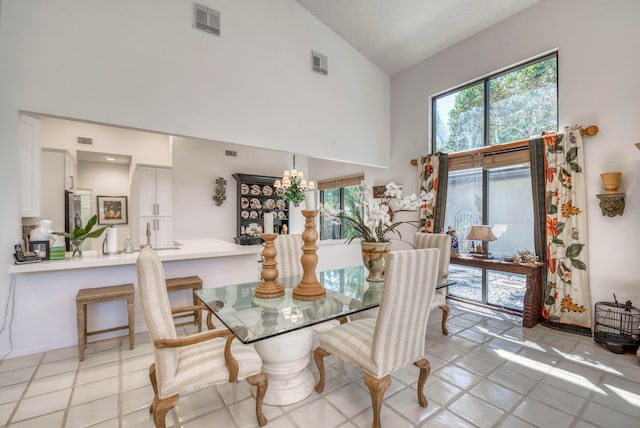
372,220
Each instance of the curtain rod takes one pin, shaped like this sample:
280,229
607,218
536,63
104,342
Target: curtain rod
589,131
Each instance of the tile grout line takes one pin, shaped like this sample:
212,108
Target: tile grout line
22,396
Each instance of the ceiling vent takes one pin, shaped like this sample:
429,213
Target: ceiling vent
85,141
206,19
319,62
231,153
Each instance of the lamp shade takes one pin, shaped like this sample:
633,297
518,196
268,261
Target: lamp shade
481,233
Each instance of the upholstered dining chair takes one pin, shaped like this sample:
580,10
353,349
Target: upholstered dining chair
191,362
443,243
288,253
396,338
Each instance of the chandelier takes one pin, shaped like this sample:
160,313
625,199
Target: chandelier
294,184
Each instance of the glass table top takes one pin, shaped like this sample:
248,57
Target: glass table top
251,318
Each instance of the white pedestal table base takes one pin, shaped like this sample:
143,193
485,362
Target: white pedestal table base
284,360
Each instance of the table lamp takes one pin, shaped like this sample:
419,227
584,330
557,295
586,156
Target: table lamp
481,233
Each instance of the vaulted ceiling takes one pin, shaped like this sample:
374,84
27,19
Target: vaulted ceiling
396,34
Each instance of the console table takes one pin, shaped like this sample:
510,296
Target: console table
533,293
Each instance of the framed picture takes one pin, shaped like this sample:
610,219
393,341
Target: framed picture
41,248
378,191
112,210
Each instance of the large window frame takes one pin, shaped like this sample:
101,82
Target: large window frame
341,184
486,158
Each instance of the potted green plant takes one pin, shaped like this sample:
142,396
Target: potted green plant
79,234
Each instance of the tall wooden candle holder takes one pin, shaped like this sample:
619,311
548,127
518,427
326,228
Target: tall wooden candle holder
269,287
309,288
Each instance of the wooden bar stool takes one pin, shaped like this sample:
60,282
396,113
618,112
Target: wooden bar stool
195,311
86,296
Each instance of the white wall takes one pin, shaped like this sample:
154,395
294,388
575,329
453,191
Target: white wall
598,44
143,147
142,65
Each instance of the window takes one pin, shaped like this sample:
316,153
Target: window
491,184
338,193
506,107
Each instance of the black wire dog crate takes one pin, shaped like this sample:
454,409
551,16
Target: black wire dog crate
617,326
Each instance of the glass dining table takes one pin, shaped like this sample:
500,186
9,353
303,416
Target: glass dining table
281,328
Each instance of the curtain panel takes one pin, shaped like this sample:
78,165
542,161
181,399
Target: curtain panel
559,196
434,175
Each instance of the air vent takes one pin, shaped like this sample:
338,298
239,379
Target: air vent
319,62
206,19
85,141
231,153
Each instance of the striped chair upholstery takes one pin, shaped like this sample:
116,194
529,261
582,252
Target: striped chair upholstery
187,363
443,243
396,338
289,251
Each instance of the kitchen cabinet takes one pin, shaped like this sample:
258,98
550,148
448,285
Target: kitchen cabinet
151,203
29,166
255,196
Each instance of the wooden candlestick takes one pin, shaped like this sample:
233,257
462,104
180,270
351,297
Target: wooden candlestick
269,287
309,288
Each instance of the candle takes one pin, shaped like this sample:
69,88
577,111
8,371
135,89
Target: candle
310,200
268,222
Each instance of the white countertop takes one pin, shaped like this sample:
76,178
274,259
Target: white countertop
189,249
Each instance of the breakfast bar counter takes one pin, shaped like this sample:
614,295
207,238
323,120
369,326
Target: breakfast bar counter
44,301
185,249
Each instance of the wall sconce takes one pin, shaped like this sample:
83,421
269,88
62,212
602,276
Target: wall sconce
221,190
612,201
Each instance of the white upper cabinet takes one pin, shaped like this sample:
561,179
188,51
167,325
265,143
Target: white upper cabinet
153,191
29,158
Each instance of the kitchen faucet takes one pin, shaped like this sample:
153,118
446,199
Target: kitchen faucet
148,244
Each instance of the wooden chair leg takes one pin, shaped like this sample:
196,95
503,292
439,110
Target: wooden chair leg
261,382
82,329
154,384
318,356
377,387
445,315
161,407
425,369
210,325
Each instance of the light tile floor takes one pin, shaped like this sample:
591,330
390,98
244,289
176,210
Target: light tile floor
489,372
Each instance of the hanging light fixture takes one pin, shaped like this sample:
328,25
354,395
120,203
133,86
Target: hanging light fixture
294,184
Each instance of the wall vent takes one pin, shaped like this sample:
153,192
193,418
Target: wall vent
85,141
319,63
231,153
206,19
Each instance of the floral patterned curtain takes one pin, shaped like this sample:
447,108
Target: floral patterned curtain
434,174
566,299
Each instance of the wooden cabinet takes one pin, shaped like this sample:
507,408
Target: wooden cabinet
29,166
255,196
533,294
151,204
